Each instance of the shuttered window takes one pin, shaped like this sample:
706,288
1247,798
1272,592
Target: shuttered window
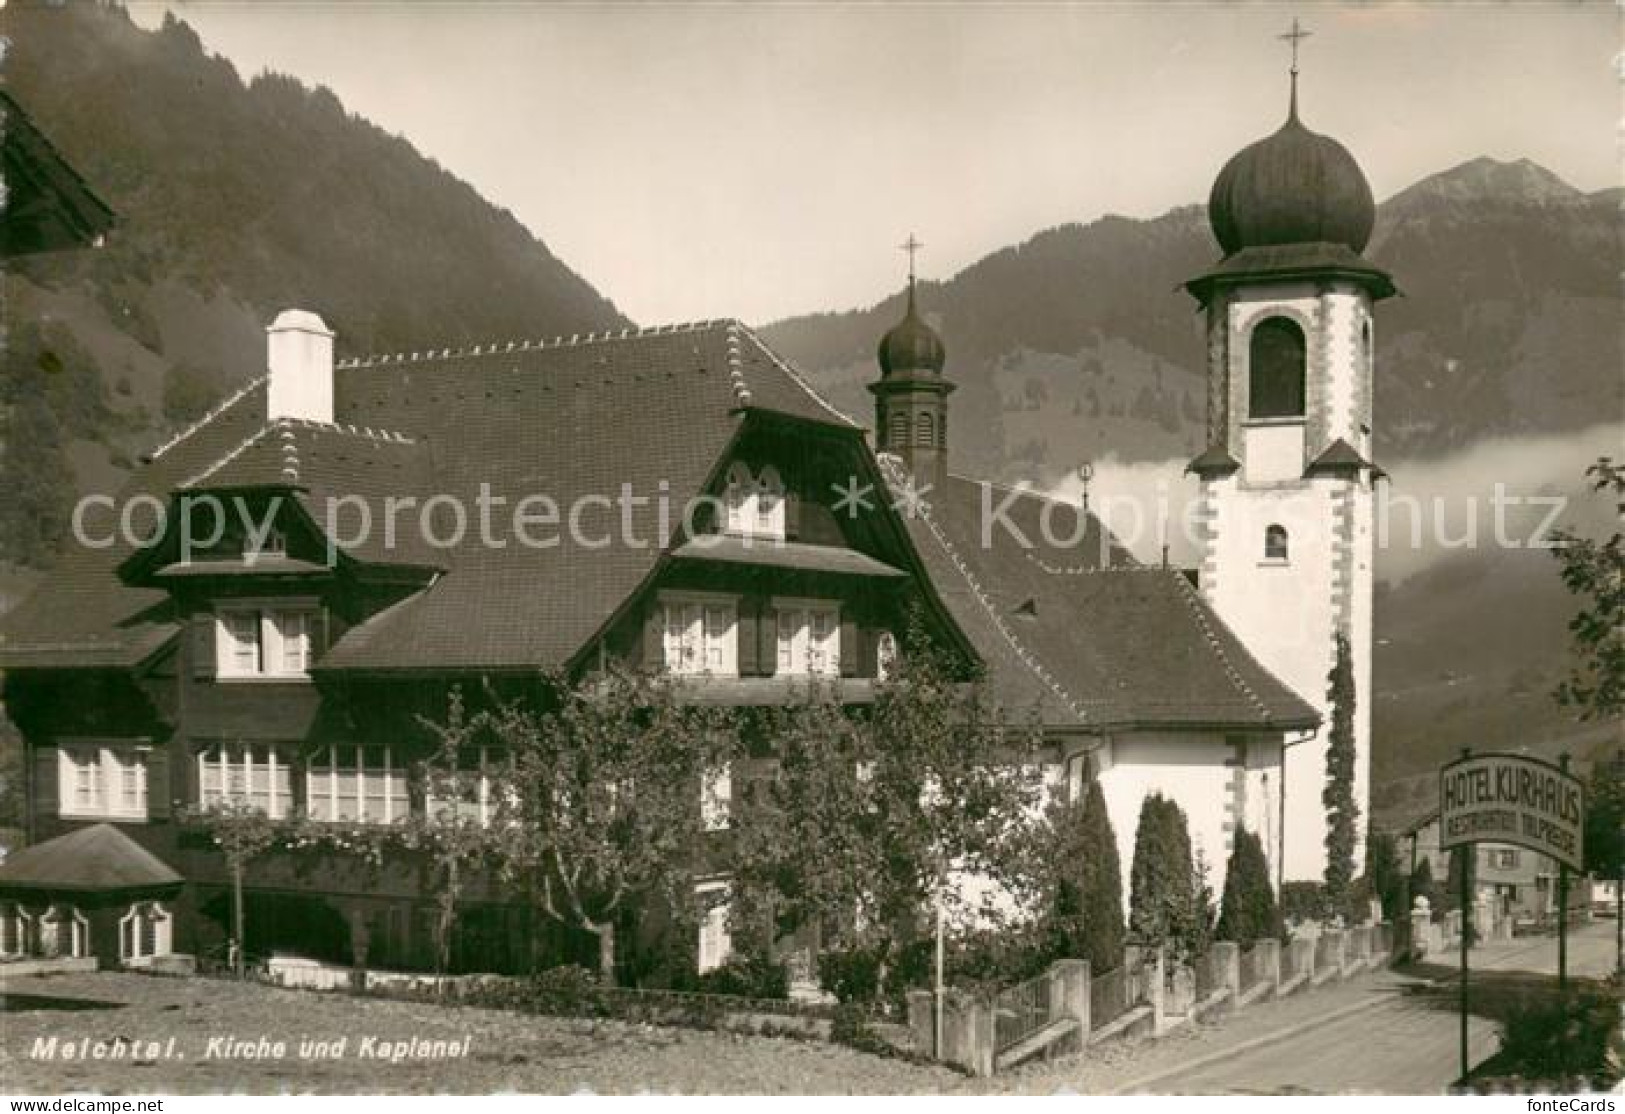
263,642
809,637
103,780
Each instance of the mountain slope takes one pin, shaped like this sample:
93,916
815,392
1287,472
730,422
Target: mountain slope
234,201
1079,342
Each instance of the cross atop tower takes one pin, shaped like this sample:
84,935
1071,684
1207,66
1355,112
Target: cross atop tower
1295,36
910,245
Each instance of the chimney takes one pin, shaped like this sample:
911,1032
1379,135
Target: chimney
300,355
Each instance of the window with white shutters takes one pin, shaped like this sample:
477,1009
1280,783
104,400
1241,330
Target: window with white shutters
809,636
700,635
104,781
263,642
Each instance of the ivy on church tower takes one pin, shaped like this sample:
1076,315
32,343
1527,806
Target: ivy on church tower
1342,813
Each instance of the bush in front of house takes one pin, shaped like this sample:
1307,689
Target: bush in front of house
749,975
851,974
1304,902
1249,911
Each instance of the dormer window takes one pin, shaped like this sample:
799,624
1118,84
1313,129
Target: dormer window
754,501
262,641
274,544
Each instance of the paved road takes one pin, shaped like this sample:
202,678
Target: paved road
1400,1045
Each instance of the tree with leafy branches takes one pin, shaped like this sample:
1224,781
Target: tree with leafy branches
865,821
243,832
1342,813
451,830
1605,837
1593,569
601,810
1383,872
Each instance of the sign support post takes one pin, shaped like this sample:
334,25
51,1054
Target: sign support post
1517,800
1563,910
1466,898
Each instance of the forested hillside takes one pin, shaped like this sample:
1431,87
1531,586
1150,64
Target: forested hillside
234,200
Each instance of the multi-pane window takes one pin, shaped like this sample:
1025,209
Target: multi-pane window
103,781
700,635
354,782
263,642
259,775
473,794
809,636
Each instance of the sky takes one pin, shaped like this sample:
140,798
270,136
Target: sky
707,160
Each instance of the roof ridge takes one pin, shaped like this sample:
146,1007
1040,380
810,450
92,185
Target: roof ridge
207,418
784,366
890,468
389,436
243,447
575,340
1194,603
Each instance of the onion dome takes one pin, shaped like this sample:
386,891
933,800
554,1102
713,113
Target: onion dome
912,345
1294,187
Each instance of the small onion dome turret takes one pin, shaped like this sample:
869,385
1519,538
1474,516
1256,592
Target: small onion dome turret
911,345
1293,187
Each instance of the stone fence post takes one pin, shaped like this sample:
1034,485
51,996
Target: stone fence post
922,1021
1069,994
1267,954
1226,960
1421,929
1159,989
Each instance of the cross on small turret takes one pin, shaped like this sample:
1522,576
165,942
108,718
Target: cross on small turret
1295,36
910,245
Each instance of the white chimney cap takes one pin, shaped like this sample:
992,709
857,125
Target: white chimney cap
301,319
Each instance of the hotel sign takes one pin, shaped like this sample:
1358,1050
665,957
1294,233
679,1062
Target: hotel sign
1507,798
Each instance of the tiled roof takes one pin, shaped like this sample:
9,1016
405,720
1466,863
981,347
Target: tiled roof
1292,261
1079,628
48,205
1339,456
328,467
1071,627
653,410
731,548
82,614
97,859
564,418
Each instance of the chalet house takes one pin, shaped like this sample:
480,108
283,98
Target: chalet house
282,663
401,525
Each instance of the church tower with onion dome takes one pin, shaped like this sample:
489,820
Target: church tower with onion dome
911,395
1287,484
